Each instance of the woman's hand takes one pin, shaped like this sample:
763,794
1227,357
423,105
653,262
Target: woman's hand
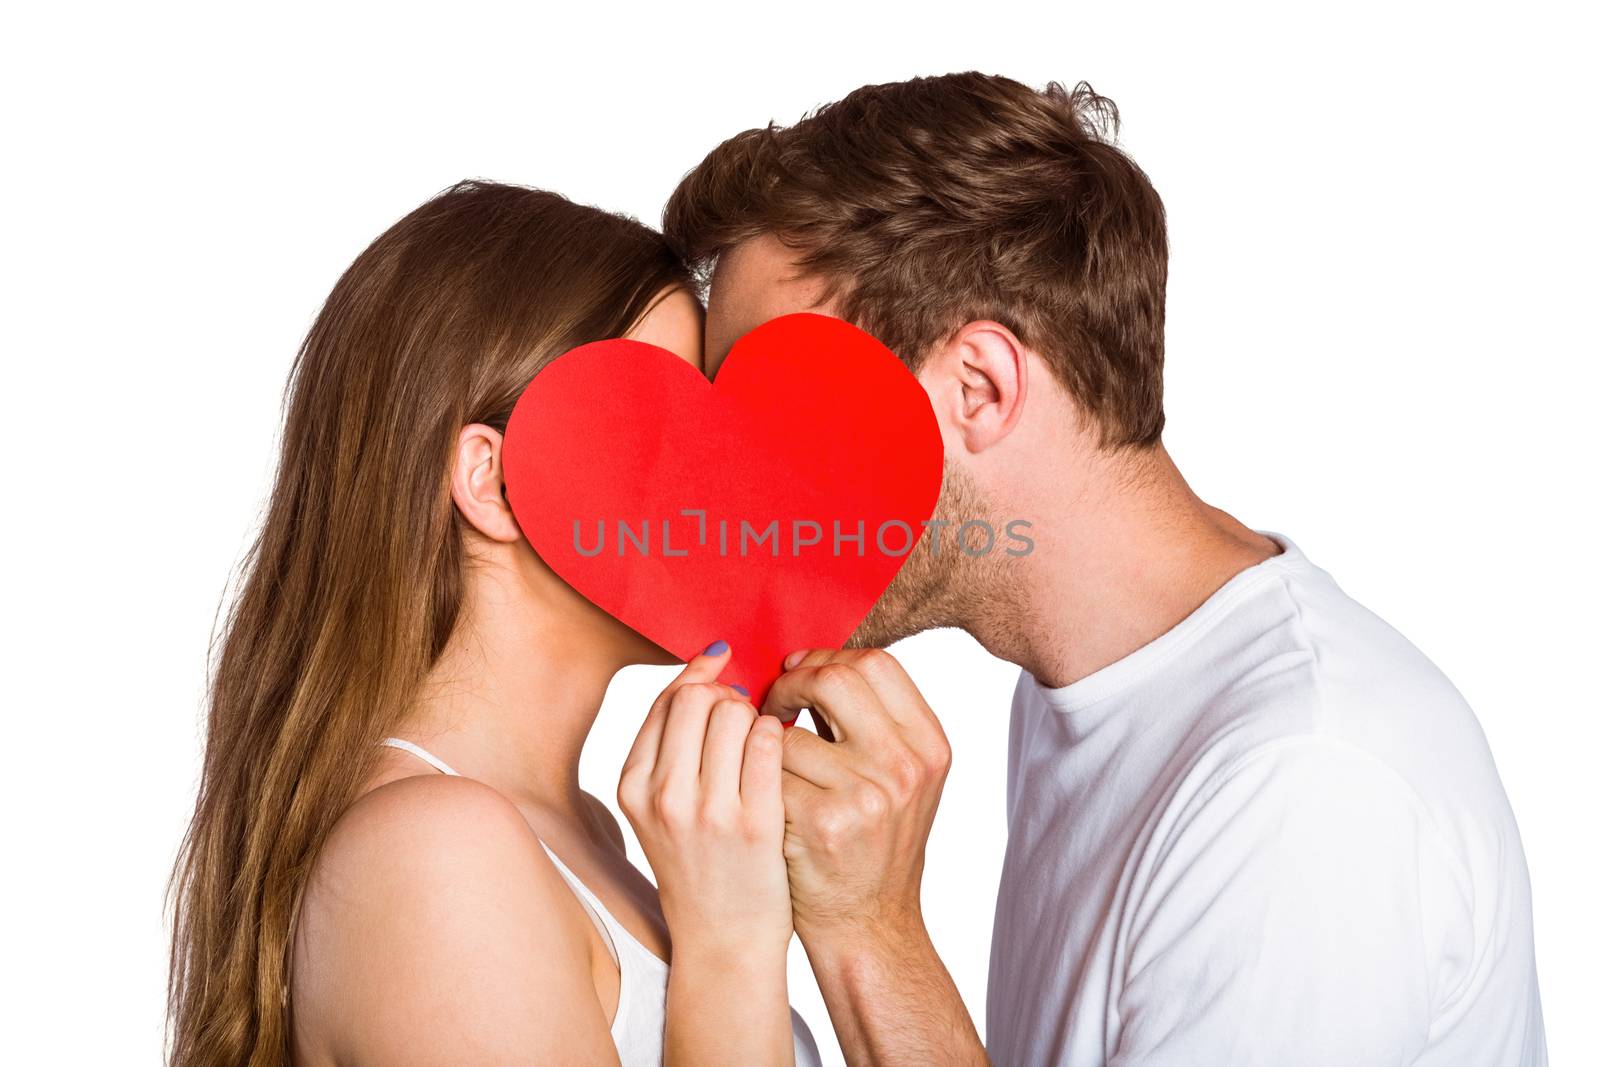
703,790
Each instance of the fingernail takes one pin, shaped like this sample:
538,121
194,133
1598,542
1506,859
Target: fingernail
741,690
792,658
716,648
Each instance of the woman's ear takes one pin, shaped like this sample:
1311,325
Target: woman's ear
477,483
978,382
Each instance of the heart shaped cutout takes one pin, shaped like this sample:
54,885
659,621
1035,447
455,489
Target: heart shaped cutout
771,508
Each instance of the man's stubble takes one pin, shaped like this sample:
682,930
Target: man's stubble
940,585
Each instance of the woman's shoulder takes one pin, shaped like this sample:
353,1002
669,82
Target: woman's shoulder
428,887
430,840
421,816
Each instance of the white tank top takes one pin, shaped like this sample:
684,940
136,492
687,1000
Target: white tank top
639,1027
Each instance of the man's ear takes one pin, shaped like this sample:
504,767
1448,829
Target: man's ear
477,484
978,382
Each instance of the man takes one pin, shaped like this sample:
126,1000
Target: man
1249,823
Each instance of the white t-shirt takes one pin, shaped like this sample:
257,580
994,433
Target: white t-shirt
1273,836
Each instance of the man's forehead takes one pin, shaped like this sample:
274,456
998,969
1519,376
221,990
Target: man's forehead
755,280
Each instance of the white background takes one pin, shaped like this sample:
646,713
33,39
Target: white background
1381,343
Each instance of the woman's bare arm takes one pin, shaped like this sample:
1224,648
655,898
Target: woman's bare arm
436,931
702,788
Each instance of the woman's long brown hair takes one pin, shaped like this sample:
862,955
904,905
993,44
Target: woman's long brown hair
354,583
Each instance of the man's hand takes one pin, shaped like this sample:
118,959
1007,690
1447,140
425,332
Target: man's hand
859,808
857,812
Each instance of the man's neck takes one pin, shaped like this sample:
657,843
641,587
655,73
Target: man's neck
1115,565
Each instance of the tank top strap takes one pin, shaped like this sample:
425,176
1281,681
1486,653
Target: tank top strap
421,753
597,913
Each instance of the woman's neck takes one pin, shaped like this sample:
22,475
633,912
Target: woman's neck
514,694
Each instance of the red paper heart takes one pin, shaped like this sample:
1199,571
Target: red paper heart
811,420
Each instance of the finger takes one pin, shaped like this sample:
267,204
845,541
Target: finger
722,759
904,701
822,763
702,668
839,694
684,736
882,671
799,796
820,725
705,667
761,777
642,756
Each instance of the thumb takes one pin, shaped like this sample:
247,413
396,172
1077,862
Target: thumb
702,668
705,667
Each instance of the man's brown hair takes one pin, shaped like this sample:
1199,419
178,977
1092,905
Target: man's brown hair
926,204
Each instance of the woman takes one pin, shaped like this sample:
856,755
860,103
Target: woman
390,860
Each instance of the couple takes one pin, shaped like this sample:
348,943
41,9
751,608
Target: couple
1249,823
